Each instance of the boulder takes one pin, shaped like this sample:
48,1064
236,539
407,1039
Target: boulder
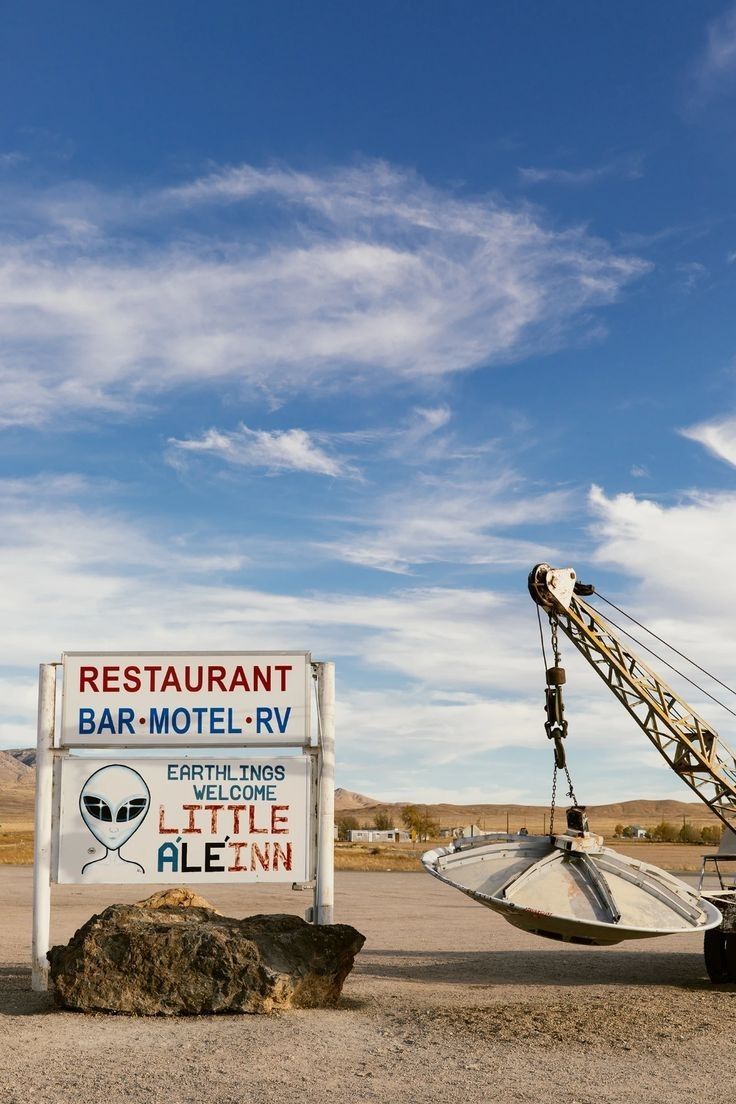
178,897
160,958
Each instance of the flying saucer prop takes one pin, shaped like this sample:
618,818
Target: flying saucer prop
570,887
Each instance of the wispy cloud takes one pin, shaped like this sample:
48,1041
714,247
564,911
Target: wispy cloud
717,436
110,301
289,450
416,439
626,168
10,158
468,521
435,661
714,71
79,574
691,275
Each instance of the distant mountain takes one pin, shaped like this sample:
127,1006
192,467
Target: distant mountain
348,799
492,818
17,788
14,771
25,755
17,779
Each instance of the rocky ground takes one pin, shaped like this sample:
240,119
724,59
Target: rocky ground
447,1002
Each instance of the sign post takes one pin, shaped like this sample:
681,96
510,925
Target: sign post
324,898
42,835
153,799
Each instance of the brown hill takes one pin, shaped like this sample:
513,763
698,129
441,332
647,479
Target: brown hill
603,818
17,782
17,778
24,755
348,799
14,772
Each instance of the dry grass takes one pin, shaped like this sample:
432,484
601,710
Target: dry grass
389,856
16,847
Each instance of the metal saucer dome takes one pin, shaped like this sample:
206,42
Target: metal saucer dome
572,888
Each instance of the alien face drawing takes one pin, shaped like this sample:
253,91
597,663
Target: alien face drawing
113,803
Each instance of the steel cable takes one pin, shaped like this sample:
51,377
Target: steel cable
666,662
668,645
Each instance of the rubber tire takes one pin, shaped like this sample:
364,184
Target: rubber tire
731,955
716,962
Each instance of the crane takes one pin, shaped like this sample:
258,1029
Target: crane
689,744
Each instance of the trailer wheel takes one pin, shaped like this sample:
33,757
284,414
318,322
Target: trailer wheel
716,959
731,955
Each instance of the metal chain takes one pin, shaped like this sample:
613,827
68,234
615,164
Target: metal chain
554,800
571,789
570,793
553,634
556,653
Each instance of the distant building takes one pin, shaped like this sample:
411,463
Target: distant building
376,835
461,832
635,831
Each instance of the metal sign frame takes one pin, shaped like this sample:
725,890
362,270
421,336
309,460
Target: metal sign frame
50,753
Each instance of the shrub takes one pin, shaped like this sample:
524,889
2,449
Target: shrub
665,832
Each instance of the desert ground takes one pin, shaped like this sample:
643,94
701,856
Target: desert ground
447,1002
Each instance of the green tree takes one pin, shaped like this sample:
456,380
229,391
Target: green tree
409,815
383,821
689,833
665,832
419,822
427,828
711,834
345,824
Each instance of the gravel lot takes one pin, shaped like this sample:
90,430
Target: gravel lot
447,1002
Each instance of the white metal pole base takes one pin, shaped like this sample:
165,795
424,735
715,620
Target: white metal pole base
42,838
324,897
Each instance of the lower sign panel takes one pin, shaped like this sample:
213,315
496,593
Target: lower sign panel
184,820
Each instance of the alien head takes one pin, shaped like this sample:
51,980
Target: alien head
113,803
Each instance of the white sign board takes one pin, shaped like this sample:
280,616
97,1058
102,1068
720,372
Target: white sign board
184,820
176,700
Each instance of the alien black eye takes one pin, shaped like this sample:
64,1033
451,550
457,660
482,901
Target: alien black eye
131,808
97,808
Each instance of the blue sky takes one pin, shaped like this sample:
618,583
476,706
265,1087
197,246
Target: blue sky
321,324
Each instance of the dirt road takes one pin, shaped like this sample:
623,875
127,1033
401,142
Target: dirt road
447,1003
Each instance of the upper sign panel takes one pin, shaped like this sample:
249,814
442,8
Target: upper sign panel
185,699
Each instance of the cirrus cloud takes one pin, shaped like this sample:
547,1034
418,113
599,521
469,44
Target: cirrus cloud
110,301
276,451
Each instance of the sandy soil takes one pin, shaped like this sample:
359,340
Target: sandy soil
447,1002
